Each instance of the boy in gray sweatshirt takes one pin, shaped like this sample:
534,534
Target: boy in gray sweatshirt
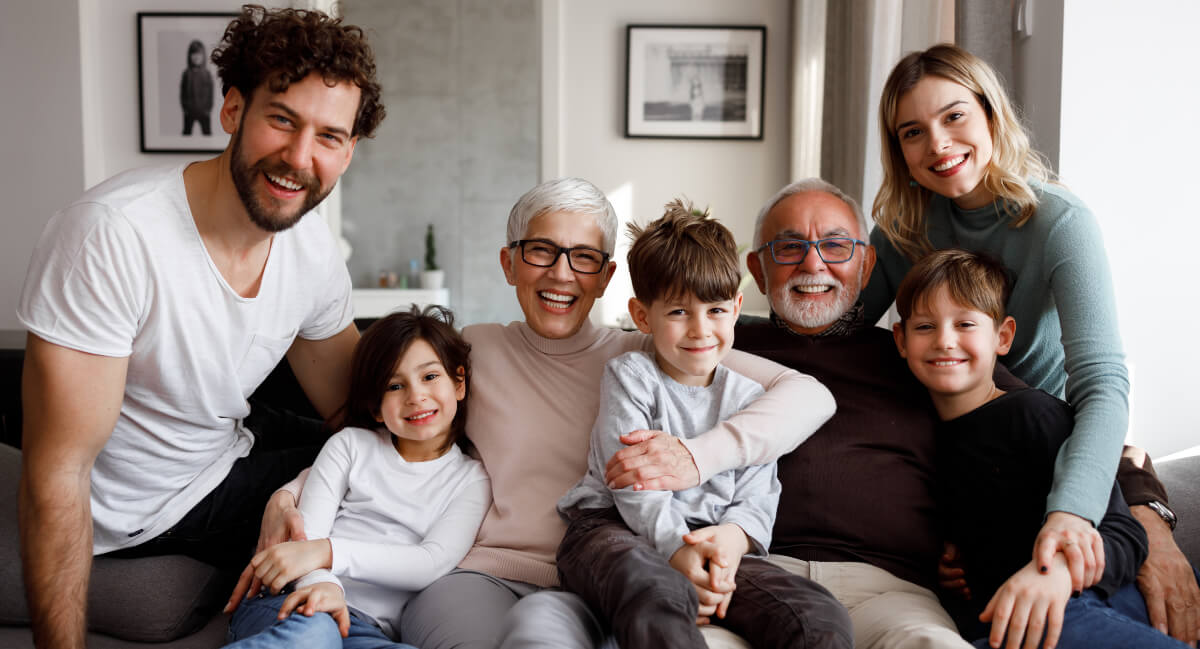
686,555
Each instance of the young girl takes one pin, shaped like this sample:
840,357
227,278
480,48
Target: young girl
391,504
995,463
959,172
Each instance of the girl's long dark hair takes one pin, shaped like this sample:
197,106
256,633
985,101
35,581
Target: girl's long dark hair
381,347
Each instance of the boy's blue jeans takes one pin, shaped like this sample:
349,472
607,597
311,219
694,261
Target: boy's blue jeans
1092,622
254,626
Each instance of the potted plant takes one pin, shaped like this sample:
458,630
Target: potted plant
433,277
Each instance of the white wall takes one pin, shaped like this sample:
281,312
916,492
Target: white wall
587,139
1129,140
43,164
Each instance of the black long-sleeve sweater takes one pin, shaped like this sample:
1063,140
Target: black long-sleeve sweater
995,467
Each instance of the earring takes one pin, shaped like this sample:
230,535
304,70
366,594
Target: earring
912,183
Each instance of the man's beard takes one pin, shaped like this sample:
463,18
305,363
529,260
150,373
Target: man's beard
809,315
261,215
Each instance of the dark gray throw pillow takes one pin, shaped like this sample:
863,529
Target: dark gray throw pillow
152,599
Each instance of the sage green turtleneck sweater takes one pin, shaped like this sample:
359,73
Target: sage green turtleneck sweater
1067,341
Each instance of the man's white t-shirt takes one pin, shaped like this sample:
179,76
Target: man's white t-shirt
123,272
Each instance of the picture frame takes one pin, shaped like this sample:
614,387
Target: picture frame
695,81
179,91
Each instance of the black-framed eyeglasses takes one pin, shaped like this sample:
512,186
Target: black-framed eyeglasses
543,253
834,250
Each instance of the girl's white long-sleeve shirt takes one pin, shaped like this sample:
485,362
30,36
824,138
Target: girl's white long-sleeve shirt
394,526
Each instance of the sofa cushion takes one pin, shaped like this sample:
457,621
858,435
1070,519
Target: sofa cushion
152,599
1182,479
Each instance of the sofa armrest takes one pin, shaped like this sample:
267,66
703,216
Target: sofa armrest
1182,479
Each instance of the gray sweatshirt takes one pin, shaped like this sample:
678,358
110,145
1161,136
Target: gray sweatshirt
636,394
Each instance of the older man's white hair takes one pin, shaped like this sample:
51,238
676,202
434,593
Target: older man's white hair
574,195
809,185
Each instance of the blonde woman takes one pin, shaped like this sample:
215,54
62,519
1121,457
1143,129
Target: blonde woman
959,172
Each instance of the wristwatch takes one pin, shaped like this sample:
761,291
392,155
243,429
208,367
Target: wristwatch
1164,512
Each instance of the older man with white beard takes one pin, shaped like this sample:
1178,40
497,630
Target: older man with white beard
857,512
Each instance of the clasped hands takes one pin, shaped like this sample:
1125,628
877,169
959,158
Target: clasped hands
709,558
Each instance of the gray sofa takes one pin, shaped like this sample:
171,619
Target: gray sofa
176,592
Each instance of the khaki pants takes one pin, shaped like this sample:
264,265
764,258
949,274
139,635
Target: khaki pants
886,612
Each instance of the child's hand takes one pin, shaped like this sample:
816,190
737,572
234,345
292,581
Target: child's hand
1027,603
1079,543
281,564
320,597
725,545
952,576
282,521
732,543
694,561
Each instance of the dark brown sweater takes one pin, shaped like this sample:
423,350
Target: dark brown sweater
862,487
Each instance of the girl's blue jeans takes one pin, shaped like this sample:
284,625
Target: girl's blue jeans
254,626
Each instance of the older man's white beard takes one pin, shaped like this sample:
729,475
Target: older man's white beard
805,314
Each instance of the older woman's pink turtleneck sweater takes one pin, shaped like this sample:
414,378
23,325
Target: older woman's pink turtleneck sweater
532,403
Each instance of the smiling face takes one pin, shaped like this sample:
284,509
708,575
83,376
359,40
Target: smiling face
951,349
946,140
813,294
556,300
690,336
289,148
420,401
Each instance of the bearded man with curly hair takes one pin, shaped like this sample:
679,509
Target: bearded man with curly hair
159,300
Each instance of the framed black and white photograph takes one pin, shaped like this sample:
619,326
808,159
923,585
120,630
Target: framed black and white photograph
178,83
696,81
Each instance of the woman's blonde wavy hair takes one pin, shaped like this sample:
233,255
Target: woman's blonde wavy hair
899,208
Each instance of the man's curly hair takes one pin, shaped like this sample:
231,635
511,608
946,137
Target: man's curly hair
279,47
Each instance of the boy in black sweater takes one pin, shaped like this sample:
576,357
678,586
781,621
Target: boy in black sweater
995,461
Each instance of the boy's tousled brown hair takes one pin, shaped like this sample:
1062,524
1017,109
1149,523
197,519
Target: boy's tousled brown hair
684,252
972,279
279,47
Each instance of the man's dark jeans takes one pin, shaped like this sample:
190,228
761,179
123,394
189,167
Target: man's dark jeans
222,529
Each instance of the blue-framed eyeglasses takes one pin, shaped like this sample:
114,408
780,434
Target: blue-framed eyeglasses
834,250
543,253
